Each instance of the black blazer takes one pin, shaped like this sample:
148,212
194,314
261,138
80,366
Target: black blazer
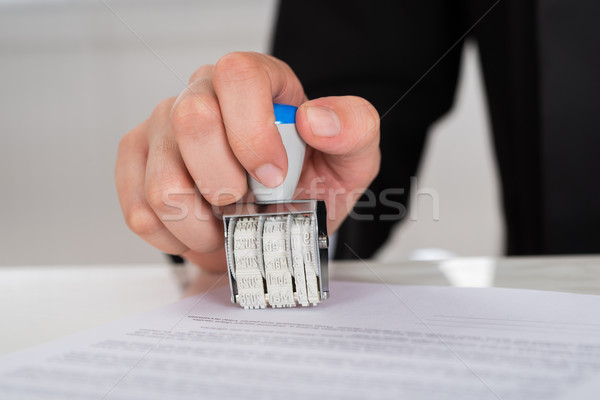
540,65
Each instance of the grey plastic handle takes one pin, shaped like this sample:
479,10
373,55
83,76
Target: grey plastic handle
295,149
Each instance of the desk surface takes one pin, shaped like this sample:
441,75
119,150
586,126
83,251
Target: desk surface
41,303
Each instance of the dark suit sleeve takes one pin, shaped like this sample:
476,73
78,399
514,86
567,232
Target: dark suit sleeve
379,50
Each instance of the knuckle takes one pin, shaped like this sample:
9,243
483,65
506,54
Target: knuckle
368,112
142,221
165,196
238,67
255,140
163,108
192,111
201,73
127,141
156,194
248,151
368,123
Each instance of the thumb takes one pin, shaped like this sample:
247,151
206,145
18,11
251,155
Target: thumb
346,130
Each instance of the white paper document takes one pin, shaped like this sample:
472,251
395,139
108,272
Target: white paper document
368,341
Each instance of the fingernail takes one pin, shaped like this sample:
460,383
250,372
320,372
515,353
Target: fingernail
323,121
269,175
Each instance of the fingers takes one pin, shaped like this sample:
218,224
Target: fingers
246,85
130,172
157,195
200,135
213,262
346,130
195,151
172,195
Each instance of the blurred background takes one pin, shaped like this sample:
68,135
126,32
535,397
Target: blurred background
75,75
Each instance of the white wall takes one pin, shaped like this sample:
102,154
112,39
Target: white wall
74,79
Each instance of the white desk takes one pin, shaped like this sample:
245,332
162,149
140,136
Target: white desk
41,303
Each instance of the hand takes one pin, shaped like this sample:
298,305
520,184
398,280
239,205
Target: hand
194,151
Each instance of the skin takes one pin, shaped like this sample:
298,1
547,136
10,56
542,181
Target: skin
191,156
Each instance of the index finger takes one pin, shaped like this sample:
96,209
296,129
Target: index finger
247,85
